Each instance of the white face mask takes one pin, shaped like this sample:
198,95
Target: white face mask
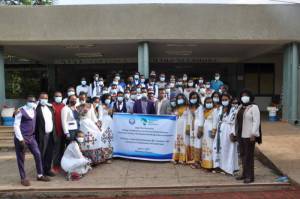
201,81
144,95
184,78
143,80
96,78
104,92
225,103
190,84
101,83
202,90
58,99
133,97
209,105
139,96
173,104
114,91
217,77
107,101
207,85
136,76
83,82
193,101
117,77
115,82
171,85
120,99
168,90
127,95
179,83
138,90
162,79
245,99
31,104
80,139
43,102
216,99
70,93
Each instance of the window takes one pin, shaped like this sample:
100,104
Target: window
260,78
22,80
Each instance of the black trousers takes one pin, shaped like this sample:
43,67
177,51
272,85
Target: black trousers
59,149
246,148
47,154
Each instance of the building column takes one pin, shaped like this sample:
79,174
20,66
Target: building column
2,77
290,99
143,58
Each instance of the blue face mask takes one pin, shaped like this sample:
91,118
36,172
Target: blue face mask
225,103
209,105
180,101
193,101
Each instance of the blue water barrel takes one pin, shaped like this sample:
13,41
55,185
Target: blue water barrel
8,121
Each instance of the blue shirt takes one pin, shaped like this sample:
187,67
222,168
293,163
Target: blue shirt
216,84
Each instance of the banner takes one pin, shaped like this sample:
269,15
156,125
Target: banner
144,137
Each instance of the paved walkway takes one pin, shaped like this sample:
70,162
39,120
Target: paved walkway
281,145
125,174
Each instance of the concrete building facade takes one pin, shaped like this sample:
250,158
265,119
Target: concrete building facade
255,46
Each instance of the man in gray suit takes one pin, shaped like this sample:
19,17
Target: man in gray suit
162,104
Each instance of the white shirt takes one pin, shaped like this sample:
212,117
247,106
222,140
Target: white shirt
82,88
48,119
17,122
67,118
129,106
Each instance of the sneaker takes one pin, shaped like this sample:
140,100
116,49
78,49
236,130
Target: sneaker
25,182
43,179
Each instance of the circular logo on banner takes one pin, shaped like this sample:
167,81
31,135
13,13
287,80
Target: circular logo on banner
131,121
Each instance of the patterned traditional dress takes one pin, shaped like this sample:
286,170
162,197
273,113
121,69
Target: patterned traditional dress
195,121
210,125
182,150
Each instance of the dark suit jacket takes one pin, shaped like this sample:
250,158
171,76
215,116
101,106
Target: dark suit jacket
137,107
40,127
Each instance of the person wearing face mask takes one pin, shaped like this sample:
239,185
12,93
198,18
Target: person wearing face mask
152,85
216,96
190,88
173,105
24,126
105,116
216,83
209,132
162,104
73,162
97,86
121,81
136,79
195,126
91,113
208,90
131,100
185,80
117,85
120,104
182,137
130,82
248,132
144,105
96,103
225,154
83,87
126,94
45,132
179,85
101,147
202,93
162,81
143,81
70,92
59,142
200,82
70,119
151,96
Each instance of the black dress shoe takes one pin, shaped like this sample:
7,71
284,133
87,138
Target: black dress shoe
248,180
50,173
240,178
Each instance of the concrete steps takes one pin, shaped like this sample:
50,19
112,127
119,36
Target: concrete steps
6,138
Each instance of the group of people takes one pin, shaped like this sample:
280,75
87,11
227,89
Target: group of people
75,133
